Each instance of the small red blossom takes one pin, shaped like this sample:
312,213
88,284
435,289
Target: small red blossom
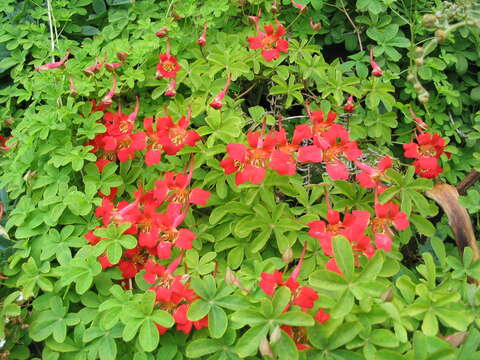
321,316
376,70
217,101
171,88
202,41
162,32
369,177
349,106
426,150
55,64
167,67
270,42
249,163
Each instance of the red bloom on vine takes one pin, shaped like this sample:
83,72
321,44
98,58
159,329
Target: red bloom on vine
426,150
167,66
249,163
55,64
376,70
386,215
176,136
283,160
369,177
270,42
217,101
174,188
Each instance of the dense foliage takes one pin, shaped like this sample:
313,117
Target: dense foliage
227,179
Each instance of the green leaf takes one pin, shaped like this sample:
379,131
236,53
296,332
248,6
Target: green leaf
295,318
343,253
328,280
248,344
148,336
281,299
423,226
384,338
202,347
217,322
198,310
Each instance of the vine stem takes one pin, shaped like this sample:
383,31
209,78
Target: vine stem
50,26
355,28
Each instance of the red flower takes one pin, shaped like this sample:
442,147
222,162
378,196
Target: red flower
167,67
55,64
306,298
183,324
349,106
250,163
369,177
175,189
174,137
217,101
330,147
427,152
321,316
386,215
282,159
270,42
376,70
202,41
270,282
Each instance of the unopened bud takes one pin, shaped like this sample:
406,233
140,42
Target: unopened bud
424,97
429,20
418,51
387,296
419,61
162,32
230,277
287,256
122,56
275,335
315,26
410,77
264,348
418,87
441,35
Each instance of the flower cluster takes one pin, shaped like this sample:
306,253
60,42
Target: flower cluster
157,234
303,297
167,68
121,141
154,217
321,142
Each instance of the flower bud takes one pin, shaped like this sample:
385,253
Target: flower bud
202,41
230,277
122,56
349,106
429,20
419,61
419,51
275,335
410,77
171,89
441,35
315,26
424,97
264,348
287,256
162,32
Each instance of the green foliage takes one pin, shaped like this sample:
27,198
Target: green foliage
56,300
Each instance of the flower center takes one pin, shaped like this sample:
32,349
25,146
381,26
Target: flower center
427,150
168,66
268,42
177,135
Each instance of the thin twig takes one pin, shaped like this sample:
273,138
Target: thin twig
50,26
355,28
